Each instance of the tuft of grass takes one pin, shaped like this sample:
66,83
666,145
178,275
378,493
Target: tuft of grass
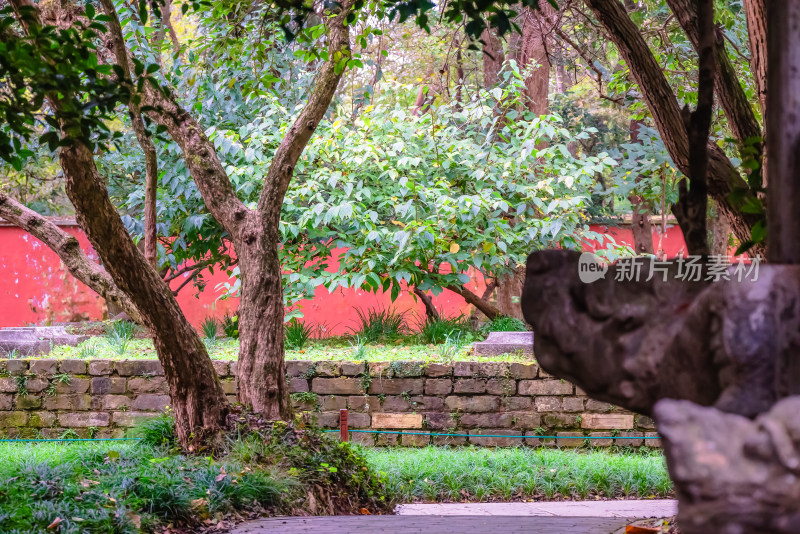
297,334
230,325
158,431
358,348
210,328
375,324
119,335
453,346
505,324
88,350
480,474
437,331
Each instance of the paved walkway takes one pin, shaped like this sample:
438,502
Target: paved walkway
589,517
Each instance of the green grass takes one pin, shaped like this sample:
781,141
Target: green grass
404,349
478,474
122,487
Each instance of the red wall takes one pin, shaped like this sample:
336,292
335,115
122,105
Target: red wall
35,288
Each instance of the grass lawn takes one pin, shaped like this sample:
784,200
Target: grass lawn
122,487
479,474
405,349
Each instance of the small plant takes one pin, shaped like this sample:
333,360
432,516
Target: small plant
365,378
435,331
69,434
297,334
359,352
504,324
311,372
375,324
62,378
119,335
88,350
13,354
309,398
210,329
230,325
22,385
452,347
157,431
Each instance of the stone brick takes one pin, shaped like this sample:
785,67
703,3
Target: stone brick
297,368
427,404
394,403
462,369
234,368
377,369
387,386
221,367
84,419
396,420
387,440
482,403
501,386
17,367
597,406
607,421
327,419
27,402
544,387
42,419
634,441
544,374
548,404
75,385
5,402
480,369
36,385
73,367
9,419
514,404
128,419
436,370
43,367
138,368
579,392
330,403
8,385
526,420
100,367
336,386
642,421
113,402
565,439
597,440
438,386
361,403
68,402
442,441
440,421
365,440
149,402
328,369
415,440
358,420
523,370
352,368
560,420
298,385
475,439
470,385
407,369
486,420
652,442
572,404
228,386
106,385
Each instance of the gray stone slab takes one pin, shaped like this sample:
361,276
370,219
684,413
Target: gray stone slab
628,509
431,525
505,342
35,340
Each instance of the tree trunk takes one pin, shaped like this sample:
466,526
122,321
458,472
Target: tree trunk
722,178
69,250
533,53
640,216
430,310
493,57
755,11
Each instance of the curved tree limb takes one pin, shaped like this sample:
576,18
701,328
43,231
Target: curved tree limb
488,309
430,309
66,246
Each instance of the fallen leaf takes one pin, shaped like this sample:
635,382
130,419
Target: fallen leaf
364,511
135,519
633,529
55,523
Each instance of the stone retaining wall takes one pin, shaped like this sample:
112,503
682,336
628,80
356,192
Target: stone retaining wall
102,398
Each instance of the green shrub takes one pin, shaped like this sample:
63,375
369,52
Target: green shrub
119,335
210,328
230,325
437,331
375,324
158,431
297,334
505,324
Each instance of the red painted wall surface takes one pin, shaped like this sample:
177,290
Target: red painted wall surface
35,288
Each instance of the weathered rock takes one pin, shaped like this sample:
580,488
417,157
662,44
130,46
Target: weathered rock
35,340
498,343
733,474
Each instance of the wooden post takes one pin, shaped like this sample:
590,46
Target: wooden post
343,433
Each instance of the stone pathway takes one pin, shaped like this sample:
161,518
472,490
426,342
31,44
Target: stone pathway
585,517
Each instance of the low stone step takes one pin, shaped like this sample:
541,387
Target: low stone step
505,342
35,340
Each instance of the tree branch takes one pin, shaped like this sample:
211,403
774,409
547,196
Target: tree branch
430,309
68,249
489,310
